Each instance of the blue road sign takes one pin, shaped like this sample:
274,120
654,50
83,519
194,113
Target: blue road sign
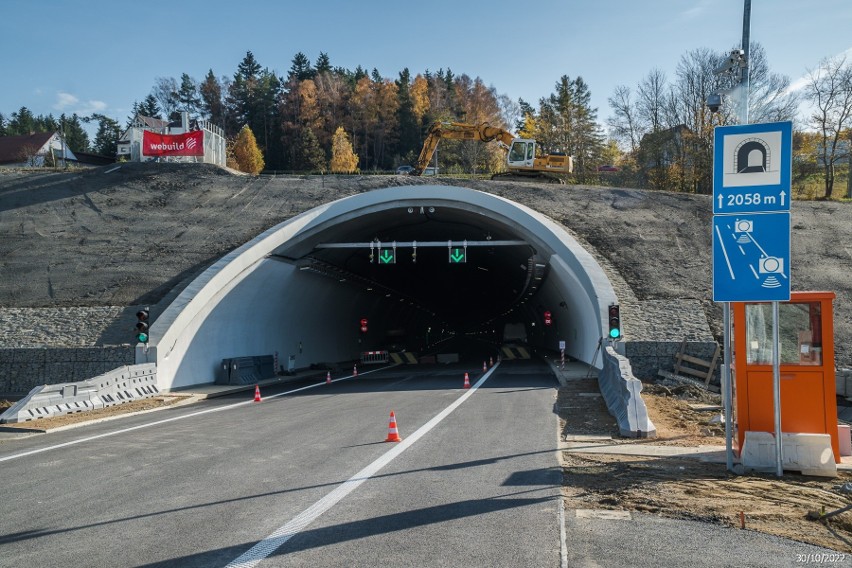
751,257
752,165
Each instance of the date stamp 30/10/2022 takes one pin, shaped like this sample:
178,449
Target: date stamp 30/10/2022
822,558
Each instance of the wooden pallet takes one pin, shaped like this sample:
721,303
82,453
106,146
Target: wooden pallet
699,367
686,380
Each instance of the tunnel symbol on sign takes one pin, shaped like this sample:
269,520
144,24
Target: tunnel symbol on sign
752,156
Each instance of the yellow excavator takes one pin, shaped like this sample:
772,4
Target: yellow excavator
521,159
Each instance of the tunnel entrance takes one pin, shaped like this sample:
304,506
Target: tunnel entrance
398,258
465,270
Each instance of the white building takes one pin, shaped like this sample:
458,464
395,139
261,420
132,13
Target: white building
34,150
130,143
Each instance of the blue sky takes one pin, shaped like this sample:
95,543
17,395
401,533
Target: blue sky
101,56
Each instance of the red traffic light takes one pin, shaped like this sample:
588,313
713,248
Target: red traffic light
363,322
547,319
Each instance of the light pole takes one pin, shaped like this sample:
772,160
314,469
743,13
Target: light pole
737,61
744,79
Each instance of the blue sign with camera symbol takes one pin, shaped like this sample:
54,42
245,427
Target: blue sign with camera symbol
751,257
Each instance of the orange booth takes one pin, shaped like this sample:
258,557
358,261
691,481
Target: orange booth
808,396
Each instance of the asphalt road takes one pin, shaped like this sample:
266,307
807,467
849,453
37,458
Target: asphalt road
306,479
478,488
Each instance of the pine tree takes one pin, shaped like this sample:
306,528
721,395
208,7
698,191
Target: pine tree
134,111
301,68
187,96
409,125
323,64
149,107
212,105
21,122
309,156
246,153
75,135
527,110
343,159
106,138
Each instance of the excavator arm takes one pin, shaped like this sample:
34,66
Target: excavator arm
458,131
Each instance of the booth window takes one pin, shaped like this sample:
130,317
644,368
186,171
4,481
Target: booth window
799,333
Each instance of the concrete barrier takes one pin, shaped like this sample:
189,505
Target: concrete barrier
808,453
374,357
119,386
248,370
514,352
404,358
621,391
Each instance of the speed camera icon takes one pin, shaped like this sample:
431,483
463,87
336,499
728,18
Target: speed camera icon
771,265
744,226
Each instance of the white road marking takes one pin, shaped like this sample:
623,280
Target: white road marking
725,252
167,420
563,534
270,544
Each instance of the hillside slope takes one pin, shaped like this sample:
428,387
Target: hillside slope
132,235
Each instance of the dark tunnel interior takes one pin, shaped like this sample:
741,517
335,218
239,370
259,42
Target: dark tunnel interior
483,291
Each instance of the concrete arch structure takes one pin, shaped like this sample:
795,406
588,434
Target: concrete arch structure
258,299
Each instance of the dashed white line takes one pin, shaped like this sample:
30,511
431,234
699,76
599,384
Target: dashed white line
274,541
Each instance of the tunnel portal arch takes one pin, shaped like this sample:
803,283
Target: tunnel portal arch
266,296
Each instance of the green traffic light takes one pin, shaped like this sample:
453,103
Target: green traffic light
142,337
615,333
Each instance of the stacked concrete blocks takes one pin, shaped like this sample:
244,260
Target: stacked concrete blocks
122,385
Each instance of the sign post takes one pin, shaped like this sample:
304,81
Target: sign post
751,232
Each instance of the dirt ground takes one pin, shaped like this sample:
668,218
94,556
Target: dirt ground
685,488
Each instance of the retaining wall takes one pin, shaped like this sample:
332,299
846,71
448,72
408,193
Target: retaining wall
42,346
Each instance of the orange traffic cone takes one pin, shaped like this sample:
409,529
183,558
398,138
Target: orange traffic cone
491,361
484,367
393,433
328,378
257,393
355,371
466,381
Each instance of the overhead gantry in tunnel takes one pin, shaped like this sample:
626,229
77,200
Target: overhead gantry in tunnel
417,262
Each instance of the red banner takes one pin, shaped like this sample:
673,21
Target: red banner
189,144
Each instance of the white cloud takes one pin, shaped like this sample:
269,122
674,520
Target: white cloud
66,102
696,11
800,83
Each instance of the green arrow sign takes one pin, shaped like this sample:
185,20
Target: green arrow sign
458,255
387,256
